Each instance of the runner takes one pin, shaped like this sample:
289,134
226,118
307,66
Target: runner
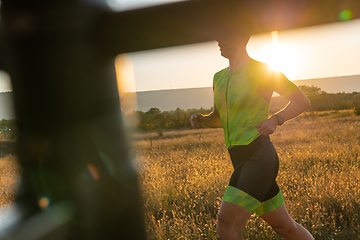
242,94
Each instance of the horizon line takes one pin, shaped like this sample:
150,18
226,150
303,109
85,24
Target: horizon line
184,88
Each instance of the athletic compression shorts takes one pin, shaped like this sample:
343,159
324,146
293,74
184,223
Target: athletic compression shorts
252,184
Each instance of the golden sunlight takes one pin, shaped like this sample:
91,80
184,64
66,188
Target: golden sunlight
275,52
279,55
127,89
126,83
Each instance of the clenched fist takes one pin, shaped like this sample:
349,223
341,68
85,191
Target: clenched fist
196,120
267,126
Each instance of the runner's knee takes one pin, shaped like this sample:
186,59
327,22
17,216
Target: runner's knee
223,222
285,229
227,229
231,220
224,227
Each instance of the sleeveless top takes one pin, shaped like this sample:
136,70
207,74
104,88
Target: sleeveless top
242,99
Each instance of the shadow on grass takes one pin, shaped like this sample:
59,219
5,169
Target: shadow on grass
7,148
173,133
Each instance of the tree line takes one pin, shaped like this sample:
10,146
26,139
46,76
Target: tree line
321,100
154,119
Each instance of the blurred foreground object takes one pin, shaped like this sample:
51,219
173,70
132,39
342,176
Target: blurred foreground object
78,181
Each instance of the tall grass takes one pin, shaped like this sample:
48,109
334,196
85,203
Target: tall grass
185,173
9,179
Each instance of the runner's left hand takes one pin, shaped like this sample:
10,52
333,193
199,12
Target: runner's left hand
267,126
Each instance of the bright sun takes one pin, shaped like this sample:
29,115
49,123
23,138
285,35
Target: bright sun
275,52
278,55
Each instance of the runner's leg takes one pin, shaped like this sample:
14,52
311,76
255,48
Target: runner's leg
280,220
232,219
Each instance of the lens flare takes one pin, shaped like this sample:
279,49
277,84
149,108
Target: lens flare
126,83
345,15
275,63
93,171
44,202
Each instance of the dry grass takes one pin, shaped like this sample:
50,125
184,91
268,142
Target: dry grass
185,173
9,179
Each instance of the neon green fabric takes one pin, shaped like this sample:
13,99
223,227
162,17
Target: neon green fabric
240,98
270,204
241,198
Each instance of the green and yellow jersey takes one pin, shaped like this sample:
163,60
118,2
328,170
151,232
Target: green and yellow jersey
242,99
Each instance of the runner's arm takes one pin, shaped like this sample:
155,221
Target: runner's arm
298,104
211,120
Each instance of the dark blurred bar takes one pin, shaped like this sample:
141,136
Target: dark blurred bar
78,181
197,21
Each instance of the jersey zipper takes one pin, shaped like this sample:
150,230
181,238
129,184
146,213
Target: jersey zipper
227,109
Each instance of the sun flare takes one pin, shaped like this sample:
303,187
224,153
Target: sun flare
275,52
278,54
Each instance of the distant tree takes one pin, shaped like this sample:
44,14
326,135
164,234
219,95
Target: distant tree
177,117
154,119
159,121
153,112
310,91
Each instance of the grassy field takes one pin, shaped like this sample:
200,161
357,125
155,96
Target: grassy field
9,174
9,177
185,173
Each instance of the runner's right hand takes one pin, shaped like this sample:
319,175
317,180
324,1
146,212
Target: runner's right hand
196,120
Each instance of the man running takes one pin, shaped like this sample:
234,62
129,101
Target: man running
242,94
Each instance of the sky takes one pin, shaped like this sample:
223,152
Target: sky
5,83
314,52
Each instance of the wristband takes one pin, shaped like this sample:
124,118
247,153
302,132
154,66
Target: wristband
279,119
